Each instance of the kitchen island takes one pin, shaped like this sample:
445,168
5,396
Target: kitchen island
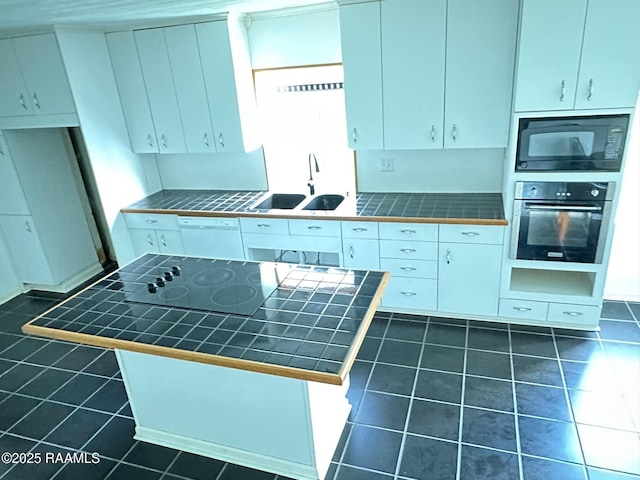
245,362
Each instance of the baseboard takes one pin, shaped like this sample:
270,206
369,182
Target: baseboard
6,296
227,454
71,282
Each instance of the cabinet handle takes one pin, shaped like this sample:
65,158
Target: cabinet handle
264,225
351,251
354,136
152,221
314,227
408,231
408,250
572,314
22,102
522,309
408,269
221,140
448,255
149,240
454,132
360,229
433,133
27,226
470,234
163,140
590,90
163,240
36,102
563,89
206,139
150,140
408,294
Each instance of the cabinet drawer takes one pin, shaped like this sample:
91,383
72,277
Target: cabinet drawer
151,220
410,268
409,231
561,313
412,250
316,228
525,309
274,226
411,293
359,229
472,234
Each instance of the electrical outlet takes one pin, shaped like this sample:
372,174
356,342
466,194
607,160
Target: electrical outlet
386,164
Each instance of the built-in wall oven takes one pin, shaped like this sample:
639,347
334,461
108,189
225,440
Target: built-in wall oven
561,221
573,143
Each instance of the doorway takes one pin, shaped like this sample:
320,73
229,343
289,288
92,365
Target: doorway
303,115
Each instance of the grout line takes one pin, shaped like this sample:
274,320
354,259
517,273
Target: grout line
515,410
461,419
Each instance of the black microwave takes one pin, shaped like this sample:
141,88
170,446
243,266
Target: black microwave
588,143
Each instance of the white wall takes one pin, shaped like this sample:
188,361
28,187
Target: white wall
303,38
121,176
214,171
623,273
464,170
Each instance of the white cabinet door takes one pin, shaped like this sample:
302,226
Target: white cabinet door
14,99
170,242
361,59
44,73
469,278
184,56
156,69
361,253
144,241
26,249
12,198
133,94
610,65
549,54
217,60
411,294
413,63
481,45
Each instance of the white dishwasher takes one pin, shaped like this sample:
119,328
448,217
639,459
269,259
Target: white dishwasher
210,237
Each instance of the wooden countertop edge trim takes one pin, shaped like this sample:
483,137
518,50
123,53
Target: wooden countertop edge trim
240,364
364,327
349,218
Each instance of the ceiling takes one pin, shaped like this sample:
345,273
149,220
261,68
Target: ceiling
32,15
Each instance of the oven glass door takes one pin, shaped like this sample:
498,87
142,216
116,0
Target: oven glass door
565,233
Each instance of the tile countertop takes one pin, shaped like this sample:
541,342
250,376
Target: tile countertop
459,208
311,326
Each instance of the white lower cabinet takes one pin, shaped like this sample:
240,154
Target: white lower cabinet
154,233
360,246
571,314
411,293
27,250
469,278
551,313
523,309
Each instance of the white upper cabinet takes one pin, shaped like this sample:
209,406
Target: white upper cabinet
133,94
447,72
362,61
610,64
33,79
578,54
413,72
184,56
227,74
158,79
481,45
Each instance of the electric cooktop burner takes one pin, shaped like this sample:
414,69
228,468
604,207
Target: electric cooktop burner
212,285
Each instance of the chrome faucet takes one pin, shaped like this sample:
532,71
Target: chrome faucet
312,158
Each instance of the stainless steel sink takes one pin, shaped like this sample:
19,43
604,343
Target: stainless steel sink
324,202
280,201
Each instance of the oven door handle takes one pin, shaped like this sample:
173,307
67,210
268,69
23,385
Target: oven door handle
563,207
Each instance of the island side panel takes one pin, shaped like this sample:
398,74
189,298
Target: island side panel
258,420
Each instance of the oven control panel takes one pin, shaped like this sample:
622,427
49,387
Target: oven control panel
564,191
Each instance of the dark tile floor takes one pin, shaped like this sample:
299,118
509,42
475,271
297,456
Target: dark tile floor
432,398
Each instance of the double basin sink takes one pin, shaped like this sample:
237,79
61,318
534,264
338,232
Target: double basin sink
290,201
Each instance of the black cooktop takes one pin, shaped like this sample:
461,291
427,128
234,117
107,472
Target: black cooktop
212,285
